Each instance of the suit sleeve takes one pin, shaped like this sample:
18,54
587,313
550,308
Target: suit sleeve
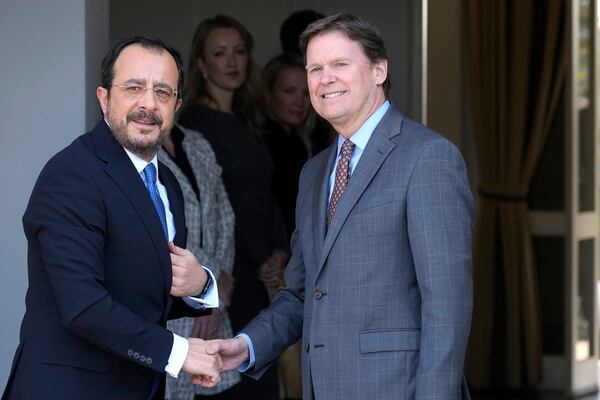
66,220
280,325
439,227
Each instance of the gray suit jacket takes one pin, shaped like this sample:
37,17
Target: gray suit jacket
383,297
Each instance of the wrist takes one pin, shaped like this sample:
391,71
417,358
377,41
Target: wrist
207,286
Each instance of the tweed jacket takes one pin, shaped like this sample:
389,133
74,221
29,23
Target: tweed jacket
210,222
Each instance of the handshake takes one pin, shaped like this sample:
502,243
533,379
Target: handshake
206,359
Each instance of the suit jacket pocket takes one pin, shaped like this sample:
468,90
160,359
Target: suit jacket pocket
390,340
76,355
373,202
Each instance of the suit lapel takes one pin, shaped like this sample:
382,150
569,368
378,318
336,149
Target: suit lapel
120,169
320,199
374,154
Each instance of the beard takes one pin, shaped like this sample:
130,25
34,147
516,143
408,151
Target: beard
143,147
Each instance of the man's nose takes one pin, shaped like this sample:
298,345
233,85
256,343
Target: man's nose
148,99
327,76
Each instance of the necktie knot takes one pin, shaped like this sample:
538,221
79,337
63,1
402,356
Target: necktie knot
347,149
150,173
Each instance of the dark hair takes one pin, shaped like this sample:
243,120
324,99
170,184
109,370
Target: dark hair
152,44
247,99
293,26
357,29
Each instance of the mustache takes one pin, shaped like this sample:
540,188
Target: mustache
146,116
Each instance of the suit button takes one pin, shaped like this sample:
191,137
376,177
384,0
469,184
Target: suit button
307,347
142,358
136,355
318,295
129,352
148,360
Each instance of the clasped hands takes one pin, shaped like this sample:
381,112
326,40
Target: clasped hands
207,359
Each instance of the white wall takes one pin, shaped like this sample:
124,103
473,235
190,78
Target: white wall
175,22
42,108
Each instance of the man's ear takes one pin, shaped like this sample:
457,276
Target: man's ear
381,71
179,101
102,94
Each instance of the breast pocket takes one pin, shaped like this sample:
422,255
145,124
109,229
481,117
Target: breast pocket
375,217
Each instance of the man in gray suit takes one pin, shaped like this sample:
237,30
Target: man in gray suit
379,281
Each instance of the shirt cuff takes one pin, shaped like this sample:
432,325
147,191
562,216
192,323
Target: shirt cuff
210,300
177,356
246,365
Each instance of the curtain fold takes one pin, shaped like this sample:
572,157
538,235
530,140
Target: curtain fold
513,107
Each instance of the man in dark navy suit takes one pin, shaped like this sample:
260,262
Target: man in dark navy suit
106,229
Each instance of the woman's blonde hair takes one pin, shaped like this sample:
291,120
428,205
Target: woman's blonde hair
247,100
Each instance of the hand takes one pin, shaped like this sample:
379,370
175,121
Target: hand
271,272
280,257
205,368
206,327
233,351
225,283
188,275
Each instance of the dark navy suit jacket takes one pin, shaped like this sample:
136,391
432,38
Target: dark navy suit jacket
99,278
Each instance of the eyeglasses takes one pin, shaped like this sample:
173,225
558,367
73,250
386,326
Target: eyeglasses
162,93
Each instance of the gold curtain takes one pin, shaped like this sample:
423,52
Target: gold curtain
511,123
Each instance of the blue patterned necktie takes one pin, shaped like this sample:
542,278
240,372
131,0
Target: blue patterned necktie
150,175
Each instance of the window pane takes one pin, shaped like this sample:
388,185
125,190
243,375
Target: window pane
584,107
584,341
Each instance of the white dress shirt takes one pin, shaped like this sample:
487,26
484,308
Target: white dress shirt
211,299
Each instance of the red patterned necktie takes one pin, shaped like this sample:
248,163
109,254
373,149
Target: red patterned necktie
342,174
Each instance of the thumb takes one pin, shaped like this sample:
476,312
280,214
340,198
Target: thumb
173,248
215,347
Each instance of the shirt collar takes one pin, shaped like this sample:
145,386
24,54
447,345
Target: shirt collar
361,137
140,164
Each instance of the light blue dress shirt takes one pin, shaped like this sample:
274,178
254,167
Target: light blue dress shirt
360,138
